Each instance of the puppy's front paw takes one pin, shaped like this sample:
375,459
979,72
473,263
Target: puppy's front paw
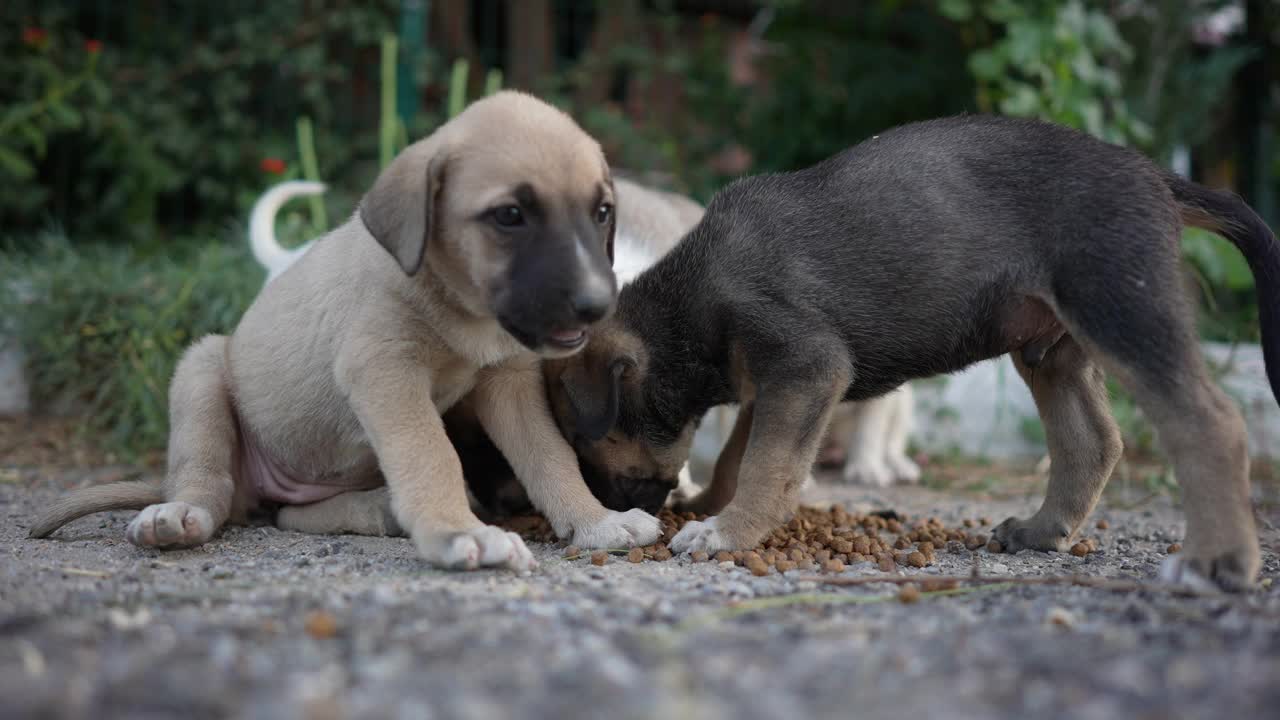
867,472
1230,572
484,546
1032,534
701,535
903,469
632,528
170,525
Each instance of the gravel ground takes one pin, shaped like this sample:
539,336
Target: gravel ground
270,624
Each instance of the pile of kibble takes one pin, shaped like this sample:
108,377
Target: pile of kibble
825,539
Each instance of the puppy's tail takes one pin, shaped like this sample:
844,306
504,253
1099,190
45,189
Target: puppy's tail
127,495
1226,214
262,221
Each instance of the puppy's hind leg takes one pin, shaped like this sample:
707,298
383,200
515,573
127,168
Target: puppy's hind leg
1134,317
1084,441
360,512
199,486
901,414
867,432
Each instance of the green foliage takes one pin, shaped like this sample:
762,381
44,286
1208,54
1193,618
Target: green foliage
832,79
103,326
837,80
1051,60
171,128
54,80
1176,89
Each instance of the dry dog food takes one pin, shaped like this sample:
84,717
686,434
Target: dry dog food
815,539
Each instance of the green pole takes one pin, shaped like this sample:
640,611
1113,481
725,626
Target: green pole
413,33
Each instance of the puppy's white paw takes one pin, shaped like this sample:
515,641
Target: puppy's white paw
170,525
808,482
903,469
700,535
632,528
485,546
867,472
1174,570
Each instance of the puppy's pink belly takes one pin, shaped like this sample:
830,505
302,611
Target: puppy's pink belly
271,482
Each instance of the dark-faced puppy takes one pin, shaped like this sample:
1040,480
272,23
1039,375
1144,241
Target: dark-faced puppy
920,251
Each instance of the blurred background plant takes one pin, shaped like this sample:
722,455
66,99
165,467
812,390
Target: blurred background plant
137,136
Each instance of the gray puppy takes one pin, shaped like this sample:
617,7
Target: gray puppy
925,249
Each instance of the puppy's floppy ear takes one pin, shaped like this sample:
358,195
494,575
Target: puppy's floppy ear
400,210
592,388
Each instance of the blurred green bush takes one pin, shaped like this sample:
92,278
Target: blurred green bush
177,131
103,325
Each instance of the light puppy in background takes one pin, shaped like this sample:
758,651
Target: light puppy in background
478,250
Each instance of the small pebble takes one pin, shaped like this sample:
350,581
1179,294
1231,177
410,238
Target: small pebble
885,563
320,624
908,594
833,566
636,555
917,559
1103,524
994,546
663,553
1080,549
599,557
1174,548
1060,617
572,551
698,556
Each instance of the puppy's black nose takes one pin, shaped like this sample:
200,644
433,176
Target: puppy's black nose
591,305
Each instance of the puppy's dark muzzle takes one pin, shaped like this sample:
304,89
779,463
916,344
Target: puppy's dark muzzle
561,323
625,493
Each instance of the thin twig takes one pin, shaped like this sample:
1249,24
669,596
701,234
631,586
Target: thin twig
79,571
1114,585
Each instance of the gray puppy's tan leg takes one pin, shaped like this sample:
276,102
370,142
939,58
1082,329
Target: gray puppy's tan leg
360,512
510,402
786,429
199,484
1204,435
724,479
1071,394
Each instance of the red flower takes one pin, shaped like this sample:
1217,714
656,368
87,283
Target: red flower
275,166
93,47
33,35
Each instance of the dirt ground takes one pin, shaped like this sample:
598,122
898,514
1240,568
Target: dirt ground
267,624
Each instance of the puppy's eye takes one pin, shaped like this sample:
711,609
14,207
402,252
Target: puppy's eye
604,213
508,216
